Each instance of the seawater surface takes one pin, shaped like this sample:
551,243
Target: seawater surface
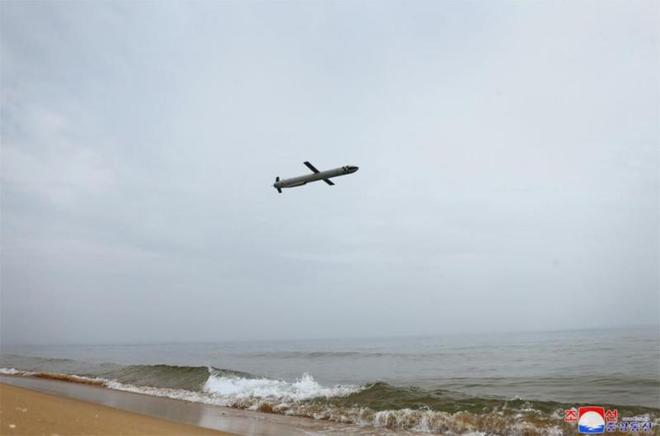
494,383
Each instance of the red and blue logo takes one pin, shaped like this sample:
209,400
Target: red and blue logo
591,420
597,420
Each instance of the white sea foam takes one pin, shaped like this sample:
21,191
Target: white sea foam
304,388
177,394
14,371
244,393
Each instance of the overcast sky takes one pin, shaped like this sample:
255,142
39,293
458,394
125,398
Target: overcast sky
508,154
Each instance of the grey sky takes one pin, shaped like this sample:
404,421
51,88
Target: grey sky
508,179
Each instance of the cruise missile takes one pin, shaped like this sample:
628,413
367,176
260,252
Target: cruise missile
315,176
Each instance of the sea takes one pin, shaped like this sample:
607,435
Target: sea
497,383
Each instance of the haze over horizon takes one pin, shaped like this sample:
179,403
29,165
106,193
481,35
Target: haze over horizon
509,169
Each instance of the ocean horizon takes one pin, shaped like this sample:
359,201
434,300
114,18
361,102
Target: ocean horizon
413,383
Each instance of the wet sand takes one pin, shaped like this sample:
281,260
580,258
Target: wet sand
165,410
26,412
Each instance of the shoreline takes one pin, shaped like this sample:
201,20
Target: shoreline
207,418
254,418
24,411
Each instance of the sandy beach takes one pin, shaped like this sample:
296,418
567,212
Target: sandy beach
71,408
27,412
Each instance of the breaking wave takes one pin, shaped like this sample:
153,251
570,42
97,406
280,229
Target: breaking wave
378,405
305,388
